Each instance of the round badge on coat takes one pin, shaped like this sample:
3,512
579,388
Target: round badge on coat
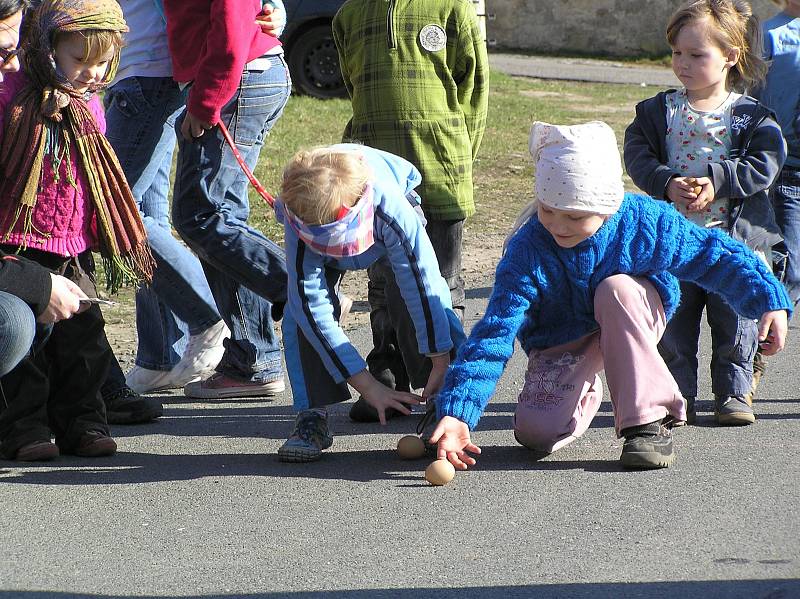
432,38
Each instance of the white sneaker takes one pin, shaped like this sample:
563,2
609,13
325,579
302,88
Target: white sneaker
145,380
202,354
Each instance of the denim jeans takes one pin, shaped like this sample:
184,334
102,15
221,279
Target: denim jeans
734,340
245,270
786,202
141,113
17,328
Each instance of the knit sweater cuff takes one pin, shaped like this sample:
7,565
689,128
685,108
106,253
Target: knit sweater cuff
464,410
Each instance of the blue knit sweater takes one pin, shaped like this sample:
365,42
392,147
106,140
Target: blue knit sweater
544,294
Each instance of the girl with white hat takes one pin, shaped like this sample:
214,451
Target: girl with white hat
587,284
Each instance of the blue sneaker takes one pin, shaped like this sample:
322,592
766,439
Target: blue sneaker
309,437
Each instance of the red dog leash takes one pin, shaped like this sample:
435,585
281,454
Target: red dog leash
255,182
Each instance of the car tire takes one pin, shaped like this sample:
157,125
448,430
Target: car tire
314,64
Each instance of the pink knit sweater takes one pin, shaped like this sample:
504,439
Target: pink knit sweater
63,216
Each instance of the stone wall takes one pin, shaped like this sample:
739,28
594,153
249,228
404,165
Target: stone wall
603,27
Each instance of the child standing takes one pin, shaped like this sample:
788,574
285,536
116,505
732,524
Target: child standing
418,79
781,92
588,283
238,76
713,153
343,208
62,195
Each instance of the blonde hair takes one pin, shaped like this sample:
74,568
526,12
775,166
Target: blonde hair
318,182
96,42
732,24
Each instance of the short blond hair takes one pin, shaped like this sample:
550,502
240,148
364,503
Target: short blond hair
318,182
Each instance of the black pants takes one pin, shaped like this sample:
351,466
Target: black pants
56,388
394,359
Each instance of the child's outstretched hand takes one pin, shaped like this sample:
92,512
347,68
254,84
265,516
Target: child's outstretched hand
772,329
380,397
704,197
271,19
452,437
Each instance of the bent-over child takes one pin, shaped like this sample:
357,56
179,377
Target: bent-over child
713,153
586,284
344,207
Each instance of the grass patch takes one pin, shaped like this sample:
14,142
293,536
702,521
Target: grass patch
503,171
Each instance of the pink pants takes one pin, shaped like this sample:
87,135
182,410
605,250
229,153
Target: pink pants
562,391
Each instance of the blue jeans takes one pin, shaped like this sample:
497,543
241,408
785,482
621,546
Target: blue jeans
245,270
734,340
17,329
141,113
786,202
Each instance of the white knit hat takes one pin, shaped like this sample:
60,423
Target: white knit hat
577,167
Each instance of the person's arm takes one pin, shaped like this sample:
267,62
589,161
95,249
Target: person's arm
50,296
747,175
713,260
472,378
641,159
220,67
471,74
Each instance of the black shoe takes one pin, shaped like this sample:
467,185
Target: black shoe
363,412
733,410
647,446
128,407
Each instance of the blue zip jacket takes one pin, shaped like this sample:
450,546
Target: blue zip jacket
544,294
400,236
781,89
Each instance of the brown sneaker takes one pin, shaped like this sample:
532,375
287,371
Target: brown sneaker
37,451
220,386
94,444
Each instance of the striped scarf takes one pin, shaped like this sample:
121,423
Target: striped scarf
350,235
48,115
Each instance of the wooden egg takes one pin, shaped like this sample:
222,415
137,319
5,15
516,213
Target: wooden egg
410,447
440,473
697,190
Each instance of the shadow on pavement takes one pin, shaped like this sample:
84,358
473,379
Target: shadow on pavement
359,466
707,589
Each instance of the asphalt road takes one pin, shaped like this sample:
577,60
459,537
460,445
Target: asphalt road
197,505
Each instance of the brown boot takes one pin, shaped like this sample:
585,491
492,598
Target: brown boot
37,451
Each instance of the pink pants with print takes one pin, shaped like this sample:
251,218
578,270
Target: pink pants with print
562,391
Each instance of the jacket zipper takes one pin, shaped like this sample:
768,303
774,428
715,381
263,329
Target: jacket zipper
390,26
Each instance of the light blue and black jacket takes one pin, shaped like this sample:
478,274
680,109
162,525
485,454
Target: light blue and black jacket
400,235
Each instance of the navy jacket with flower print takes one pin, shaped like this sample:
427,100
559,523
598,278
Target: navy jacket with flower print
756,158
